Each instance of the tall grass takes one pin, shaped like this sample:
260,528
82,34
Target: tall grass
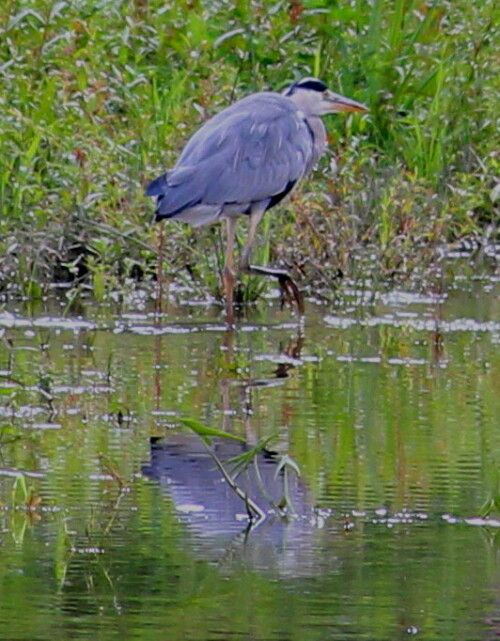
98,97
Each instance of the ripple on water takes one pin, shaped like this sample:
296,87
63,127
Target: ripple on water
10,320
419,324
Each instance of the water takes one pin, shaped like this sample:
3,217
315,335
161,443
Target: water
115,523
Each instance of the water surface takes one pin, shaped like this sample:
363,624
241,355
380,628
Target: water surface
116,524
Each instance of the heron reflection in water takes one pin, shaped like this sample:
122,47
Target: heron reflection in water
184,466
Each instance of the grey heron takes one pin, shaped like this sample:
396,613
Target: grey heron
245,160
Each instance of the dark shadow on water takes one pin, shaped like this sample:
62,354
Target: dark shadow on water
217,517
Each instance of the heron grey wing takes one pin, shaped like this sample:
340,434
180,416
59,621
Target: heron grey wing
267,162
186,184
218,131
252,153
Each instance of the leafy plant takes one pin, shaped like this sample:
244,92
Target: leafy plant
101,98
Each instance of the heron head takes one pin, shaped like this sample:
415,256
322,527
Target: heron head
314,98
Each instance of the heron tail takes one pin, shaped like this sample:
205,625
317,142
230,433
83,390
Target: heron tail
158,186
178,196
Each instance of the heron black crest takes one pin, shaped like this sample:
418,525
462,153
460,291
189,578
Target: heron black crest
312,84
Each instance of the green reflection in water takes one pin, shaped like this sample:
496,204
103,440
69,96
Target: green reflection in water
391,413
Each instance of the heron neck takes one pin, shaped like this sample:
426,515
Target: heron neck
318,131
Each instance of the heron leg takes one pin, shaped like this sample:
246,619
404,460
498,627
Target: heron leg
228,272
289,290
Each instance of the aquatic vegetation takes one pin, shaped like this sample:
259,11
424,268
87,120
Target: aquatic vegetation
249,460
97,98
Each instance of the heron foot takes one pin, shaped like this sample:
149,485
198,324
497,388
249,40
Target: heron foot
289,291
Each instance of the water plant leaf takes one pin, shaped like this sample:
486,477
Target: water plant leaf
242,461
207,432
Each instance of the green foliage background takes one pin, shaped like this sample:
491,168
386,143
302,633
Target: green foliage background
98,97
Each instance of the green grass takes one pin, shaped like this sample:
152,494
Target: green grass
98,98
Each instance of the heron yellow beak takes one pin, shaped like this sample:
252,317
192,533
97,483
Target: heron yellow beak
341,103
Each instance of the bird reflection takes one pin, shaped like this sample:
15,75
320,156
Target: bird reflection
188,468
216,517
